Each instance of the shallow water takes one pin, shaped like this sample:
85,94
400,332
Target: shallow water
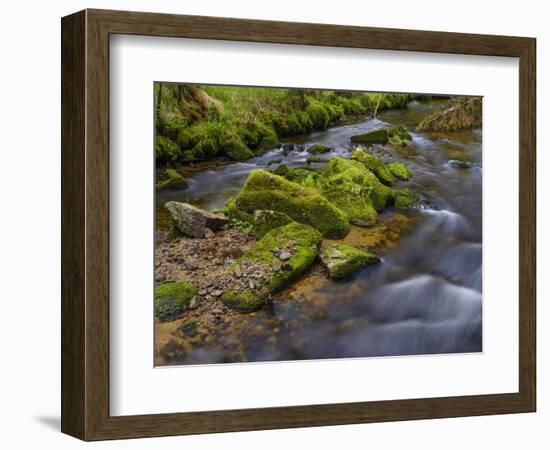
425,296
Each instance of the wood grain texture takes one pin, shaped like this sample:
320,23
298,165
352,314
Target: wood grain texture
85,224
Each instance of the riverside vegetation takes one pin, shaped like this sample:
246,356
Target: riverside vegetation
214,269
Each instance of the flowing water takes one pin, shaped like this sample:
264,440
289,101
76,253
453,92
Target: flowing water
426,294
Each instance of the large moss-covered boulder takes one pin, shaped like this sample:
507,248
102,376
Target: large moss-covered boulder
266,191
374,164
191,221
456,114
340,171
399,170
171,179
274,262
341,260
172,299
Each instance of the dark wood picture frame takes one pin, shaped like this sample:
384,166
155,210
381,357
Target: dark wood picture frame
85,224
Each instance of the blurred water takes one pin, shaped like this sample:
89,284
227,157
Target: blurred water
426,295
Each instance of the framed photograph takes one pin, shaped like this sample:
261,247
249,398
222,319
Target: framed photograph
273,225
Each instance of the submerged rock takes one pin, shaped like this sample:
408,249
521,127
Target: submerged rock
171,179
172,299
342,260
318,148
192,221
266,191
399,170
297,243
456,114
460,164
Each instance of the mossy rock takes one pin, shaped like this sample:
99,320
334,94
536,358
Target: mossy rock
399,170
372,137
342,260
405,198
375,165
236,149
172,299
266,191
339,171
172,179
265,221
304,242
318,148
399,136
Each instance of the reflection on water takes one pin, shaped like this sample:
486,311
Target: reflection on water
425,296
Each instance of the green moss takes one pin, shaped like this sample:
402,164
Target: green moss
342,260
304,242
171,179
374,164
399,170
236,149
266,191
171,299
282,170
394,135
189,328
265,221
318,114
339,171
318,148
405,198
243,301
399,136
166,150
372,137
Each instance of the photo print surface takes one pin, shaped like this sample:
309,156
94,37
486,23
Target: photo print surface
303,224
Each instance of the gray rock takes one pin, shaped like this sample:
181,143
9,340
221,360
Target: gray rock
208,233
459,164
284,255
194,303
192,221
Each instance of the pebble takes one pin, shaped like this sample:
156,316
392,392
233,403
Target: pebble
284,255
251,284
217,293
194,303
238,272
208,233
277,266
202,292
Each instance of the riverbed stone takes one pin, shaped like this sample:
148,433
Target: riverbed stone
341,260
375,165
192,221
301,241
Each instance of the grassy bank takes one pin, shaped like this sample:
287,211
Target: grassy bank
199,123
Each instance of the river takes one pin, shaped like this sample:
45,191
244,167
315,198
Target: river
424,297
